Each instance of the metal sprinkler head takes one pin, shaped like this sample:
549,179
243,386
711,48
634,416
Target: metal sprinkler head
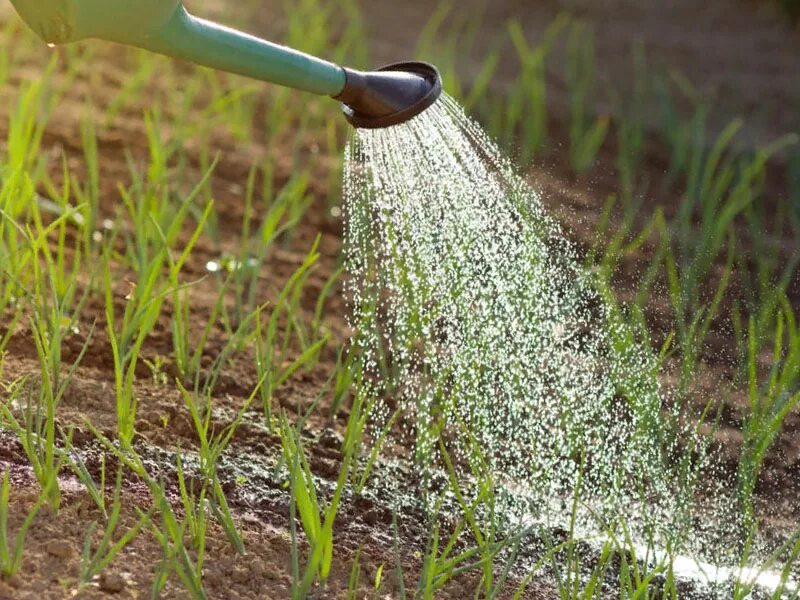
390,95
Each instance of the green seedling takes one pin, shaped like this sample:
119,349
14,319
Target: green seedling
170,531
571,583
188,357
37,435
21,169
176,557
195,512
316,518
479,511
282,215
631,130
328,289
355,577
769,407
526,108
95,562
783,558
38,431
133,86
347,369
96,490
211,449
718,192
447,558
586,135
143,304
85,191
11,554
363,414
442,561
272,346
398,559
236,338
27,125
521,589
683,135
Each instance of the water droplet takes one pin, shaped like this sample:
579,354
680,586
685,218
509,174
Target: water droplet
231,264
474,312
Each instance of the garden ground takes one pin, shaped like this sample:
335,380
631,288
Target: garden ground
744,56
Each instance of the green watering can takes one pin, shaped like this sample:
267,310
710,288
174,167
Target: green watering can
391,95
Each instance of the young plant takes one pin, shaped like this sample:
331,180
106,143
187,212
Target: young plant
586,135
96,490
170,535
526,108
21,170
95,562
282,214
719,189
143,304
684,136
631,129
355,577
212,446
195,511
316,518
169,530
11,554
272,346
783,559
770,404
443,562
37,431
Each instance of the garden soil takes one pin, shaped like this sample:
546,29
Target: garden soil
710,53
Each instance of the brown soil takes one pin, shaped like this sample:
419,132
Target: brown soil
740,55
727,45
53,555
52,559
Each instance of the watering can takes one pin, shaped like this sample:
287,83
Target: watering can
388,96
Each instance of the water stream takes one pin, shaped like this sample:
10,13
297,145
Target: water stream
478,324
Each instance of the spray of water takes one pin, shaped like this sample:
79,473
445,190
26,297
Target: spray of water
479,326
470,297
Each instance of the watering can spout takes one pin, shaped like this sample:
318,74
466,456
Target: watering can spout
392,95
